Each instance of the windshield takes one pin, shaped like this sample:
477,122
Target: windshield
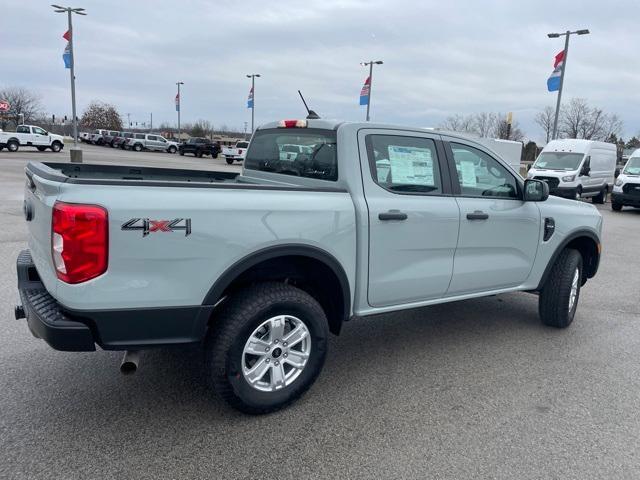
558,161
632,167
318,160
242,144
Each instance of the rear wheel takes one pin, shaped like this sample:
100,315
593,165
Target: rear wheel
137,147
182,152
267,347
559,296
199,154
616,206
229,161
171,149
56,147
601,197
13,146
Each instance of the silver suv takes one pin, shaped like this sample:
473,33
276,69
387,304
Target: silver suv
148,141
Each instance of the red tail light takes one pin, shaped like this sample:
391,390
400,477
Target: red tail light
239,151
79,241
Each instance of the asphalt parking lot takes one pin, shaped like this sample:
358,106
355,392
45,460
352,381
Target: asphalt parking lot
474,389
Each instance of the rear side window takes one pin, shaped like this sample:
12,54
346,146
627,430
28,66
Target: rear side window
242,144
152,138
22,130
317,157
403,164
140,136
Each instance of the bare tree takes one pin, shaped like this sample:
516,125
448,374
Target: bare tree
545,119
22,102
504,131
202,128
484,123
101,115
579,120
459,123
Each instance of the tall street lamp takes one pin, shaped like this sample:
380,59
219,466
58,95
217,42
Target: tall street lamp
69,11
370,64
178,101
252,99
566,34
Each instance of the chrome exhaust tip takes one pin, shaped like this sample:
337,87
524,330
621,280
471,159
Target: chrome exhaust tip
130,362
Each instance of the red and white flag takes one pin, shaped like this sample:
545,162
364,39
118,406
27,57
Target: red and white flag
559,58
67,35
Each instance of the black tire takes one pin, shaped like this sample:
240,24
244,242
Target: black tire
239,317
616,206
41,149
13,146
182,153
199,154
553,304
578,195
1,148
171,149
56,147
229,161
137,147
601,198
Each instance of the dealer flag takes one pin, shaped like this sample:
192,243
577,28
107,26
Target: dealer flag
66,56
250,99
364,93
67,35
177,102
553,82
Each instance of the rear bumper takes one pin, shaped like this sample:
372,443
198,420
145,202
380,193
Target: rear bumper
79,331
625,199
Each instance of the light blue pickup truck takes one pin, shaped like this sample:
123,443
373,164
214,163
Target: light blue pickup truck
366,218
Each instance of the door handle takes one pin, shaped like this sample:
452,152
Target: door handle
392,215
477,215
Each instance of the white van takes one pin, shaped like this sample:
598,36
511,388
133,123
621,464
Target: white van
626,190
508,150
576,168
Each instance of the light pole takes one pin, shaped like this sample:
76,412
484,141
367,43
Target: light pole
178,102
69,11
370,64
253,76
566,34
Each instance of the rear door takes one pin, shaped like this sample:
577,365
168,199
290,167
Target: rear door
499,232
413,217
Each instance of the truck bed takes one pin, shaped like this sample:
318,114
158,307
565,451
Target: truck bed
127,175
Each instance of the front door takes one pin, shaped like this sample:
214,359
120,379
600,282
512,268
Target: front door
413,218
40,136
499,232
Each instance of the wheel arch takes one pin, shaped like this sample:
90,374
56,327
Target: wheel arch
309,268
584,241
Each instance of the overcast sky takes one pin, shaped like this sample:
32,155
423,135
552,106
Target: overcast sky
440,58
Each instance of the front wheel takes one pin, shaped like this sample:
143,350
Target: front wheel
266,347
559,296
171,149
137,147
601,198
616,206
56,147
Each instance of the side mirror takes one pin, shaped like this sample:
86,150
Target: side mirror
616,174
535,190
586,169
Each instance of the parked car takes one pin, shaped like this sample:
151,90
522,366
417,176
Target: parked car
236,153
109,137
626,190
291,152
577,168
31,136
84,137
147,141
199,146
259,267
121,140
97,137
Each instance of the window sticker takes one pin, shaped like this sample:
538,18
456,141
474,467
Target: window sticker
467,173
411,165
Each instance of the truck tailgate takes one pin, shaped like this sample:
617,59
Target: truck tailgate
39,196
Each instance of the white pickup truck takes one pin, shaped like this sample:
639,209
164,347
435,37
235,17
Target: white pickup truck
31,136
237,153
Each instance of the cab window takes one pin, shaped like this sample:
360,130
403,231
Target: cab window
480,175
39,131
403,164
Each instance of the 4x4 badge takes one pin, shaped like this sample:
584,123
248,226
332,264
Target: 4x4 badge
148,226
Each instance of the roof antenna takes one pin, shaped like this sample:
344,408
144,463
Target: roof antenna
311,115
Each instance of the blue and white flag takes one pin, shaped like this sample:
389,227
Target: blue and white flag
66,56
250,99
553,82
